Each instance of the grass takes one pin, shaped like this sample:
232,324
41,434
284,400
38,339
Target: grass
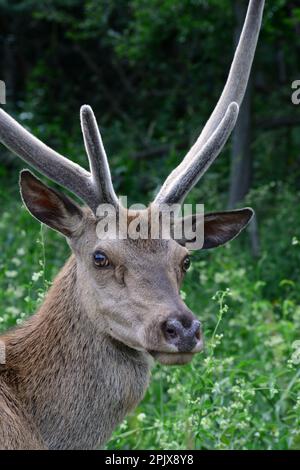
243,392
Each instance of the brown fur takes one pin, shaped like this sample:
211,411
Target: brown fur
63,385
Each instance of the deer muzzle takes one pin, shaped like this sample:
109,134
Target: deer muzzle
181,339
184,335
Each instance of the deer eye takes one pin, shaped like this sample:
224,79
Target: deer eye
186,263
100,259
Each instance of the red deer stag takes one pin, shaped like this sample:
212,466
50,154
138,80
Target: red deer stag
82,362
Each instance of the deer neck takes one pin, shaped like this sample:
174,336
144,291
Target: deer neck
76,383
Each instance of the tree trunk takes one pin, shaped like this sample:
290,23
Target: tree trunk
241,157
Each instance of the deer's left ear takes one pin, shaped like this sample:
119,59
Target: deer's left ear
50,206
219,227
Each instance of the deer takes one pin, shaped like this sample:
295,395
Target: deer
83,361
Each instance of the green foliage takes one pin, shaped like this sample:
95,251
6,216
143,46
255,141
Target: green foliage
153,71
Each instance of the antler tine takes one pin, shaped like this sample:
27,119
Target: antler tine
191,173
234,91
99,167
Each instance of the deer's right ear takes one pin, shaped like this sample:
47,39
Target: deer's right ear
49,206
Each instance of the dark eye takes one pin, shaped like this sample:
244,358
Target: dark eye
100,259
186,263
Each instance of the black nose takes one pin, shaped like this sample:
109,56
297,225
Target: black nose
182,332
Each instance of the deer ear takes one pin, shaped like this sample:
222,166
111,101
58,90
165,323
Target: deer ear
219,227
49,206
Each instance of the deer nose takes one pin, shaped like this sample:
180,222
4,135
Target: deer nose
183,333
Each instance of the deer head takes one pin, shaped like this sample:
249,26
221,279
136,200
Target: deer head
130,288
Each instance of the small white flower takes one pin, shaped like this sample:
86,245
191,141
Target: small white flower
206,423
275,340
123,426
13,310
18,292
141,417
35,277
11,274
295,359
41,296
16,261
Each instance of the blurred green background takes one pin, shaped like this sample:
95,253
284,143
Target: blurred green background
153,71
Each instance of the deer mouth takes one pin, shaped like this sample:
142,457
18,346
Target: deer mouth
172,359
176,358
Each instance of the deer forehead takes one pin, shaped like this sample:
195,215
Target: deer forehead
122,248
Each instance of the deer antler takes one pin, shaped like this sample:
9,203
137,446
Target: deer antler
99,166
93,188
96,187
221,122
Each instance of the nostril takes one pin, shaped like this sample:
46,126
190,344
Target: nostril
170,329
